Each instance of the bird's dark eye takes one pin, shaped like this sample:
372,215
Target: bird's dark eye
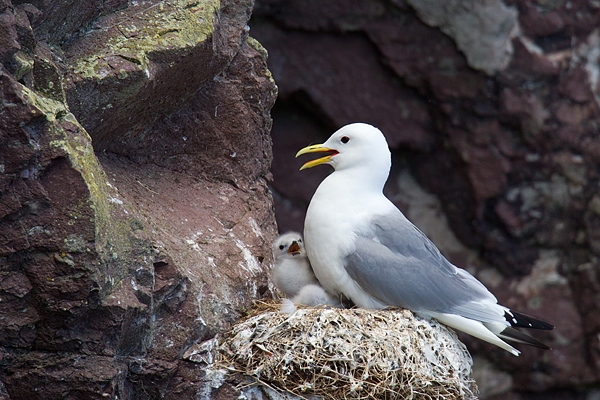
299,240
281,247
345,139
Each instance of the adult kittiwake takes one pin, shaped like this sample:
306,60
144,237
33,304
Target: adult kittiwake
360,245
294,277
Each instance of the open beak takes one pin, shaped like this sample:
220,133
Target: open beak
294,249
316,148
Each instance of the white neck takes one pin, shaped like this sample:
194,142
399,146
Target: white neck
362,178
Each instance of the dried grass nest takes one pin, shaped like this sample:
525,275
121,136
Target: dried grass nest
350,354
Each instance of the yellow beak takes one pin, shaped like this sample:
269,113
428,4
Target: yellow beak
316,148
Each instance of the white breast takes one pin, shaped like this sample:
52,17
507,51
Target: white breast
334,217
292,274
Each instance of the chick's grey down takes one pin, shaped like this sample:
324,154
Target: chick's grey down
292,270
293,274
360,245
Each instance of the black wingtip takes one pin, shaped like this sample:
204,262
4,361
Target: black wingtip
520,337
526,321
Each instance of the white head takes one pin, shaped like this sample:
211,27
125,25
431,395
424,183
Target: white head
359,148
289,245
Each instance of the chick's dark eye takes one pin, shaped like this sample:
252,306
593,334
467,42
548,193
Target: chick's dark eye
299,240
281,247
345,139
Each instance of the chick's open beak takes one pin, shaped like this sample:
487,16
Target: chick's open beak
316,148
294,248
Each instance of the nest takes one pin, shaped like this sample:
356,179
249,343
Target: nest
350,354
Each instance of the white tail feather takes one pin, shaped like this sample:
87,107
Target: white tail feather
473,328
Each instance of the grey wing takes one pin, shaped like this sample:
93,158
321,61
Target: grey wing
400,266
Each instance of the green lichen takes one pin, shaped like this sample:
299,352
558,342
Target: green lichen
23,64
255,44
113,236
176,25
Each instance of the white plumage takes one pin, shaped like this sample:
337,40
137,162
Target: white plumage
293,274
360,245
292,270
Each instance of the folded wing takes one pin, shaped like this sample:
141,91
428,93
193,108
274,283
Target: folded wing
400,266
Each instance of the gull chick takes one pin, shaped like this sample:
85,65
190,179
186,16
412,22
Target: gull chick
292,270
294,276
360,245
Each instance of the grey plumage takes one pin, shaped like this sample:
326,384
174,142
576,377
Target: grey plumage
293,274
399,263
310,295
292,270
360,245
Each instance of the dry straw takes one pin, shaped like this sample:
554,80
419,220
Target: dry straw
350,354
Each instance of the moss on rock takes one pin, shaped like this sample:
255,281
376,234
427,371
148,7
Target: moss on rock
113,235
177,26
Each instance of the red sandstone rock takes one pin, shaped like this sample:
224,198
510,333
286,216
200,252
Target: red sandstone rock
135,218
511,157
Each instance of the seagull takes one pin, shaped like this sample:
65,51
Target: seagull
360,245
310,295
294,277
292,270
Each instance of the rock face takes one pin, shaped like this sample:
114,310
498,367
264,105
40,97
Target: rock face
135,218
494,132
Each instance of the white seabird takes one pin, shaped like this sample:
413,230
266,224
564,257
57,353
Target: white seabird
360,245
293,274
292,270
